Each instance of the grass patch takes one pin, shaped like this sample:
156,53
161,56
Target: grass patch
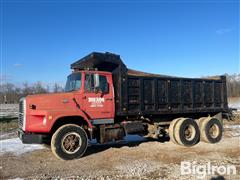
8,124
7,119
237,117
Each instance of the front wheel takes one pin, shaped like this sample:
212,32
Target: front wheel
69,142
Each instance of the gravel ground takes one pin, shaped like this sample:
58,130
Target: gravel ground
127,160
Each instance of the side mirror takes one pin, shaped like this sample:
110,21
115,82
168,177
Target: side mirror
96,81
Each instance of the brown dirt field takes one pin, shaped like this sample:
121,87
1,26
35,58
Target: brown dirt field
127,160
134,160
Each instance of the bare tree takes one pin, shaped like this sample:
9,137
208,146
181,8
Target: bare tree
57,88
39,88
233,85
27,89
9,93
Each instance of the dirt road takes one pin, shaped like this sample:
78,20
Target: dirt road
127,160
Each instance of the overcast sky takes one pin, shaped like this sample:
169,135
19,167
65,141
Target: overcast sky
39,40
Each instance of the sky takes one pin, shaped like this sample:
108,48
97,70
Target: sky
40,39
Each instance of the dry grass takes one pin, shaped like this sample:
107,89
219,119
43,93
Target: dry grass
237,118
8,125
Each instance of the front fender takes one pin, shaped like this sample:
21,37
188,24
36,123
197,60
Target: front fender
42,121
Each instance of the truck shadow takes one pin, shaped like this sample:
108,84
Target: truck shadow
130,141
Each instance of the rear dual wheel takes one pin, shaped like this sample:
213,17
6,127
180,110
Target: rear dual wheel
172,127
211,129
184,131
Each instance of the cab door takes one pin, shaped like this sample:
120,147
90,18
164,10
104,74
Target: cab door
98,97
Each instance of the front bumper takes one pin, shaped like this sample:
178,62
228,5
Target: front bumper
28,138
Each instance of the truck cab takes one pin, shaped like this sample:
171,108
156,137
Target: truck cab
93,94
88,100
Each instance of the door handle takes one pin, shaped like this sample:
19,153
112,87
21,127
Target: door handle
109,99
65,101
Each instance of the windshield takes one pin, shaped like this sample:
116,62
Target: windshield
74,82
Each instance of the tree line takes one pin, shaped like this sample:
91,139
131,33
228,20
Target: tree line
233,85
11,93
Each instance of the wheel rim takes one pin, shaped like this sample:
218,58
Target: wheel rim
189,132
71,142
214,131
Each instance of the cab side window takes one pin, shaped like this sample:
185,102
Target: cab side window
103,84
89,83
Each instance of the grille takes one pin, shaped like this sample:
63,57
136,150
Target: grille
21,113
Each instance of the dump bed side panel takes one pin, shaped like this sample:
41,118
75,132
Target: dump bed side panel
140,93
154,95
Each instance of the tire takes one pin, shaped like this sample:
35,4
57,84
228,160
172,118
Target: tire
172,130
69,142
187,132
200,120
211,130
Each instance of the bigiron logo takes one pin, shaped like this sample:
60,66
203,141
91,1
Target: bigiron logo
202,170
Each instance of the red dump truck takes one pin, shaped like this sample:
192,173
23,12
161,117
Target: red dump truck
104,100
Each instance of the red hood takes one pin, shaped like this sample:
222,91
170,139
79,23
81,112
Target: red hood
51,101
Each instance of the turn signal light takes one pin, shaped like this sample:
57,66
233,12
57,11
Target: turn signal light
32,106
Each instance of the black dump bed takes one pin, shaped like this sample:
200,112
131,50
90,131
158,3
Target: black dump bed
150,94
